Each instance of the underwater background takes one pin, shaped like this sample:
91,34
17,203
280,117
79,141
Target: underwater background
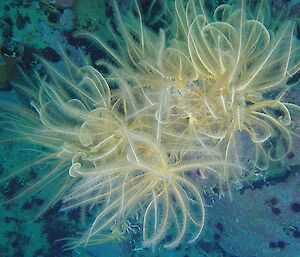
261,219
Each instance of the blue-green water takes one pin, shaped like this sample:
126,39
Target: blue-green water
258,214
